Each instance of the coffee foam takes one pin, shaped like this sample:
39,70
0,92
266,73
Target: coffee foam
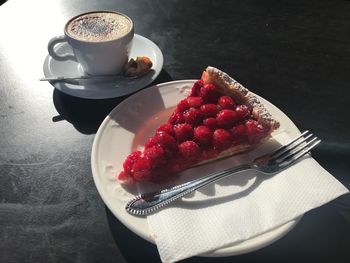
99,26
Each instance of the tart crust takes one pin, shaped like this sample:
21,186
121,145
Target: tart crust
236,90
242,95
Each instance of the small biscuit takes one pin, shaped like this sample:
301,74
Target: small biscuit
138,67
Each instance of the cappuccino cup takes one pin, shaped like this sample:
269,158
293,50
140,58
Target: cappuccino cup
100,41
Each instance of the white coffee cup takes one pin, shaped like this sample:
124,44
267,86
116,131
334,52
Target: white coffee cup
100,41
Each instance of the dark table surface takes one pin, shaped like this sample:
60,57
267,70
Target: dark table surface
296,54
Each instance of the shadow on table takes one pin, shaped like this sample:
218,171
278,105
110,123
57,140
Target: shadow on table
86,115
134,248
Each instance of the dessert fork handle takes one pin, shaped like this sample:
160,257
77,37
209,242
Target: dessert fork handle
148,203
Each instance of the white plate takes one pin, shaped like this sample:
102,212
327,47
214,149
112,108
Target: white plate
141,46
127,127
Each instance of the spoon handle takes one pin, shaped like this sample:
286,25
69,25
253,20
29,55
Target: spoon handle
62,78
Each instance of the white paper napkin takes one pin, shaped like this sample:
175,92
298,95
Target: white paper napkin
240,207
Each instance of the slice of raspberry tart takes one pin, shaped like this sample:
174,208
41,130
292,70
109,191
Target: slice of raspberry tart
217,119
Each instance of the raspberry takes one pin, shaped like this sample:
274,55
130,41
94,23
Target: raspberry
190,150
226,118
239,133
209,110
242,111
226,102
150,142
203,135
123,177
168,128
211,123
130,160
221,139
196,88
209,93
183,132
255,131
166,141
192,116
155,155
163,139
195,102
142,169
175,118
182,106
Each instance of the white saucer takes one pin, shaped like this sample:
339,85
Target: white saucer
127,127
141,46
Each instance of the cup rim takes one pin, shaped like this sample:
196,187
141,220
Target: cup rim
98,11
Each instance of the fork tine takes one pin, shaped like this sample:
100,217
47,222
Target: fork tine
296,157
292,147
301,154
296,153
282,148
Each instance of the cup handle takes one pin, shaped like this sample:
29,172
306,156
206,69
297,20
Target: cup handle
51,48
